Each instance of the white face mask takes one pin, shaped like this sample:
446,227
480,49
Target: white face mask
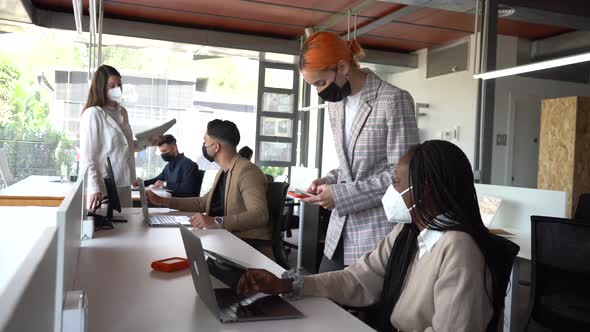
395,207
115,94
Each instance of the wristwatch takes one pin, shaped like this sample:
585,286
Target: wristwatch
219,222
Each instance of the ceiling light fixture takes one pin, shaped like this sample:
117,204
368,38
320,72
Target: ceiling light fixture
568,60
504,11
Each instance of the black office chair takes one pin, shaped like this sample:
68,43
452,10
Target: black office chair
583,208
560,273
199,184
269,178
505,253
276,195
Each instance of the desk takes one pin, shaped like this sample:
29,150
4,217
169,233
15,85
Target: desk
35,190
125,294
27,268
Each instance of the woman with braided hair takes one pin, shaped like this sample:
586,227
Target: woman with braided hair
436,271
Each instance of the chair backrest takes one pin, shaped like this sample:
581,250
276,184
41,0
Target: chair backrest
560,273
5,173
199,182
583,208
269,178
505,253
276,195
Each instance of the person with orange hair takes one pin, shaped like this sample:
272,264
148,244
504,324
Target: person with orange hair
374,124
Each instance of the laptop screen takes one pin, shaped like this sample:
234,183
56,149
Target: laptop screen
488,207
143,199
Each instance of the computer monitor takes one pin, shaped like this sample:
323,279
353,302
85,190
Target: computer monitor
112,194
112,200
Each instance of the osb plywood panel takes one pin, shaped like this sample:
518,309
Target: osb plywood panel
557,145
582,154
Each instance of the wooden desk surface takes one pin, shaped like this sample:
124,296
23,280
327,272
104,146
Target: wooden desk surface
35,190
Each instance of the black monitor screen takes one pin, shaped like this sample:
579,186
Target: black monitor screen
109,181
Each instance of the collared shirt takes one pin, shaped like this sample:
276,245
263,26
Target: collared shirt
426,241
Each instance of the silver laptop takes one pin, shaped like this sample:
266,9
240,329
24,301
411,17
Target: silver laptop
158,220
224,303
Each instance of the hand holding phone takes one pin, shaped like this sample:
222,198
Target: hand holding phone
299,194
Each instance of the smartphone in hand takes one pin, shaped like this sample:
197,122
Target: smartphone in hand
299,194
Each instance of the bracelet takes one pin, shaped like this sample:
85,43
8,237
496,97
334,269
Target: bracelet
297,292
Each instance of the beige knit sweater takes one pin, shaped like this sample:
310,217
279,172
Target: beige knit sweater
443,290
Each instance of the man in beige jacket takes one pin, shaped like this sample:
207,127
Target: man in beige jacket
237,201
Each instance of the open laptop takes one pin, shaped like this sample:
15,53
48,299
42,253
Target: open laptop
488,208
158,220
224,303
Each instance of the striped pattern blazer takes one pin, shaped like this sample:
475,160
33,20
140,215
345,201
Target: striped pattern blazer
384,128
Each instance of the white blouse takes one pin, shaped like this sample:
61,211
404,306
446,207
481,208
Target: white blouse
106,133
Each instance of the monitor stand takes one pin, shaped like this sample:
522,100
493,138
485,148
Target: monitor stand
105,222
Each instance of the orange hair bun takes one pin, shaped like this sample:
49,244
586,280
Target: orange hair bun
324,49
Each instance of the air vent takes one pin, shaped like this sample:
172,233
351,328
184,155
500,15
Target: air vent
447,60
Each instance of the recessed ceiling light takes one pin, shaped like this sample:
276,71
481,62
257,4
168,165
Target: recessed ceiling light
504,11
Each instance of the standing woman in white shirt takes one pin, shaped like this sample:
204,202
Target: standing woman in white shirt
105,132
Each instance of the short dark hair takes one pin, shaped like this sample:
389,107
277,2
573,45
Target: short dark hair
225,131
166,139
246,152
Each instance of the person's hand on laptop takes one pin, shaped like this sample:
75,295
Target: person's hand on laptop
261,281
157,199
200,220
159,184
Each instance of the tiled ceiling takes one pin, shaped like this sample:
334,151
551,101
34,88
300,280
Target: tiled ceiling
424,27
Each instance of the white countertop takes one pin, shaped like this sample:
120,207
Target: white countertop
125,294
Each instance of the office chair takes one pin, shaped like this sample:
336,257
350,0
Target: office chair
276,195
506,252
200,176
560,274
583,208
269,178
5,173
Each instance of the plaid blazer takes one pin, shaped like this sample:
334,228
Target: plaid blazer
383,130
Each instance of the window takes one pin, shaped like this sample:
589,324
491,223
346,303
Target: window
44,85
277,119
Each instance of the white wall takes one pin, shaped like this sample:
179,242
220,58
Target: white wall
513,88
451,99
509,89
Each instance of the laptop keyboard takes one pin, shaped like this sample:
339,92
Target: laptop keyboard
241,309
165,220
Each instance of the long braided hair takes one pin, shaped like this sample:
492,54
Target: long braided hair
441,179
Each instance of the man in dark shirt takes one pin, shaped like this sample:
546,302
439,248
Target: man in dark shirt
180,175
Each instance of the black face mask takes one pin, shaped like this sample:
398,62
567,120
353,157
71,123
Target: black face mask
167,157
206,155
334,93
